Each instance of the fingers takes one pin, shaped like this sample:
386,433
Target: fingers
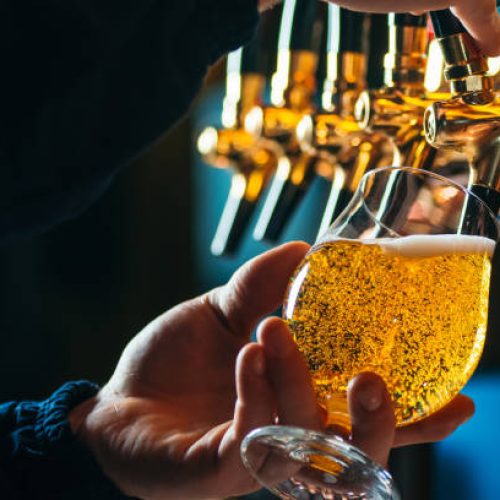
483,22
439,425
289,377
272,380
255,404
372,416
373,422
254,408
257,288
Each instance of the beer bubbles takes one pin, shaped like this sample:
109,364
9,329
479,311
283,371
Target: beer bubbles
413,310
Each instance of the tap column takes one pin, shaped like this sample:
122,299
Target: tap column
397,110
292,92
470,120
343,151
232,147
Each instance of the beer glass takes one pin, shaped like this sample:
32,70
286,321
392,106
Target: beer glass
397,286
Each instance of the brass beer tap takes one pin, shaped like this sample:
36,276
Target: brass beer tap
232,147
397,110
343,151
469,121
293,87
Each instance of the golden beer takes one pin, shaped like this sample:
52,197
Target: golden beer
412,309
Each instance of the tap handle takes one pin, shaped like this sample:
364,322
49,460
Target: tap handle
462,57
301,25
247,69
287,189
352,31
338,199
259,54
409,20
347,48
346,30
490,196
445,23
235,218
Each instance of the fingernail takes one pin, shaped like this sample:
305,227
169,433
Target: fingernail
259,365
370,396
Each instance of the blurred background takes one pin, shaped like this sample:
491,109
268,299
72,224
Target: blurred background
71,299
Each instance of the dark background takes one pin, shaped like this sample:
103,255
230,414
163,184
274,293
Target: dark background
70,299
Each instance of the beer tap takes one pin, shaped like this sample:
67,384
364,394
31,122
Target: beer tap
292,92
343,152
469,121
232,147
397,109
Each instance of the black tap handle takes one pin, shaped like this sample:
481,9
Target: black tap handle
259,54
445,23
490,196
352,31
346,30
302,25
282,200
232,225
408,20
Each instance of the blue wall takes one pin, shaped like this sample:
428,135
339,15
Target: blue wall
467,464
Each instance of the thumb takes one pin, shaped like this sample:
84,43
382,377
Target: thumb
372,416
257,288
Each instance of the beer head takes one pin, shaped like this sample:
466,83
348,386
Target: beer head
425,245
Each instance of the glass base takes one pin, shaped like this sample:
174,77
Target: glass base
295,463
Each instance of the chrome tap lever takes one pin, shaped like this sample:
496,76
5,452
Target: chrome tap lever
469,121
233,147
292,90
366,152
397,110
342,150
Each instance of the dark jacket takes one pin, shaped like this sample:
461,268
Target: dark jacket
86,85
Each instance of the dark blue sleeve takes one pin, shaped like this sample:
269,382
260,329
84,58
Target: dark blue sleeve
40,459
87,85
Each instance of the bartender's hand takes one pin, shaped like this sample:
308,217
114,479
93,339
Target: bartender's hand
189,387
480,17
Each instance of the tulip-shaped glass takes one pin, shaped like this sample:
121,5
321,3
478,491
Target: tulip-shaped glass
398,286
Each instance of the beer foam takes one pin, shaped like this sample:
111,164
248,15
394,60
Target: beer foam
426,245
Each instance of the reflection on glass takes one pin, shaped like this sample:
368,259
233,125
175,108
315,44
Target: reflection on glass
397,286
